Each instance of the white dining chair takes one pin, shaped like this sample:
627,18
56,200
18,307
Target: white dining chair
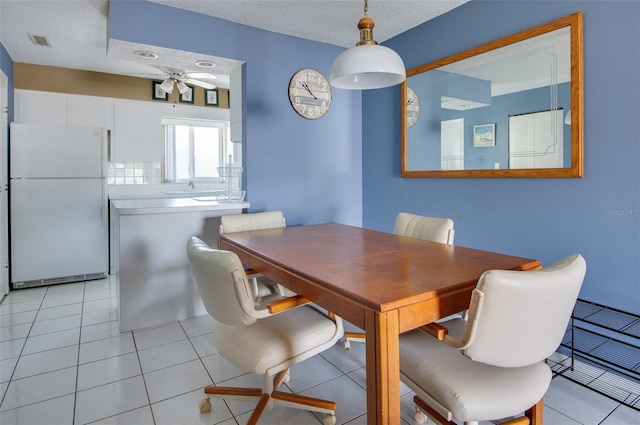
490,365
266,341
263,288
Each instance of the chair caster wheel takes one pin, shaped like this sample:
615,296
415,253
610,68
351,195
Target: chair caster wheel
347,344
329,420
205,405
420,417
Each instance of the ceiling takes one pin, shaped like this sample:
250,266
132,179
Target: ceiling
77,30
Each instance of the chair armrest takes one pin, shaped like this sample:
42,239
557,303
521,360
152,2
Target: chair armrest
435,330
250,272
283,304
442,334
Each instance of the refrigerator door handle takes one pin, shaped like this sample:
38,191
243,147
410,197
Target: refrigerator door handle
109,147
105,147
104,202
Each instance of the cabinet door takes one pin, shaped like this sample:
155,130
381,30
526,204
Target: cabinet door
236,105
137,132
89,111
37,107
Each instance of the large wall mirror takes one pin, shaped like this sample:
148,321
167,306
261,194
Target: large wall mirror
509,108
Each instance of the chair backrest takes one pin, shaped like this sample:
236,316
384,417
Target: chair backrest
428,228
252,221
521,316
222,283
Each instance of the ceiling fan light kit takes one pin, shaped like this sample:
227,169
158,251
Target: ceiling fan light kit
167,85
182,78
182,87
367,65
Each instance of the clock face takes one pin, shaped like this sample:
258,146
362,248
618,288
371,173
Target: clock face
413,107
309,93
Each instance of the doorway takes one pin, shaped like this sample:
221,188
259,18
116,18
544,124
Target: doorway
4,185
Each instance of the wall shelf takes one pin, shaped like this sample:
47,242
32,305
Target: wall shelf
609,339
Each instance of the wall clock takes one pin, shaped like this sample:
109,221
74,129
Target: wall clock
309,93
413,107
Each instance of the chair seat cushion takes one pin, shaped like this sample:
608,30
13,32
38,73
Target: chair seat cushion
272,342
472,391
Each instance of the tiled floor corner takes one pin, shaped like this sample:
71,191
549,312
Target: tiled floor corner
63,360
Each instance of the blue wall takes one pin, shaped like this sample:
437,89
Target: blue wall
309,169
597,216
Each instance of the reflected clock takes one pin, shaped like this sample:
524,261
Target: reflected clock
413,107
310,93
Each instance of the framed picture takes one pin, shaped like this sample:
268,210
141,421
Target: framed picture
158,93
187,97
484,135
211,97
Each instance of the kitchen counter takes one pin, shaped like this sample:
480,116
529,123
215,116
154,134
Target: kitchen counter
148,238
173,205
163,194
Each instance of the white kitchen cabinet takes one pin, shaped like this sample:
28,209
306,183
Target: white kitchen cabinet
190,112
236,104
89,111
38,107
137,132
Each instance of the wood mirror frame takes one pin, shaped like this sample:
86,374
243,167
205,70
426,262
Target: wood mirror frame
574,22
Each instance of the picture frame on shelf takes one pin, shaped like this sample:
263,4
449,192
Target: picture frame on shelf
211,97
158,93
187,97
484,135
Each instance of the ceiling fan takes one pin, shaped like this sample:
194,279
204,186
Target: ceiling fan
181,78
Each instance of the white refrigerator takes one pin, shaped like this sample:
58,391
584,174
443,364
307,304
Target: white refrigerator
58,204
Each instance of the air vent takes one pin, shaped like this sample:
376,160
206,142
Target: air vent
39,40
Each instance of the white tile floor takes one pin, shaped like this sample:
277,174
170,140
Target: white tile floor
63,360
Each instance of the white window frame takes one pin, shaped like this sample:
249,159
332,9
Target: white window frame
168,163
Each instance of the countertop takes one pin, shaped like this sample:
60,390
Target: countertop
163,194
173,205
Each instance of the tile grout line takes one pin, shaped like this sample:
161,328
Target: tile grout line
144,381
22,349
75,394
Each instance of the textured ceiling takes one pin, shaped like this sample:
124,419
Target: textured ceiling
328,21
77,29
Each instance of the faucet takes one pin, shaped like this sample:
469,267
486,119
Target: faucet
191,185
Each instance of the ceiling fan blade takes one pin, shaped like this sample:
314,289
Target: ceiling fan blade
201,75
169,70
200,83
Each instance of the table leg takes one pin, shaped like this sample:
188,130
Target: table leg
383,368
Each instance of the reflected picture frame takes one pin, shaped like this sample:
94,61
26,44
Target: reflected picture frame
211,97
484,135
187,97
158,93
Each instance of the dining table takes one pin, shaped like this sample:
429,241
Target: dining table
381,282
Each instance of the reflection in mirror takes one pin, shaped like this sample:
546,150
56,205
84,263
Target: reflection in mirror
510,108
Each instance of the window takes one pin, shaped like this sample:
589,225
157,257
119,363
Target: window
195,149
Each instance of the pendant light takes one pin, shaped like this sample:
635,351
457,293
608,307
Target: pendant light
367,65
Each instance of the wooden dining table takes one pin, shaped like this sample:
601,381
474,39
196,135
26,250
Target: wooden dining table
383,283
